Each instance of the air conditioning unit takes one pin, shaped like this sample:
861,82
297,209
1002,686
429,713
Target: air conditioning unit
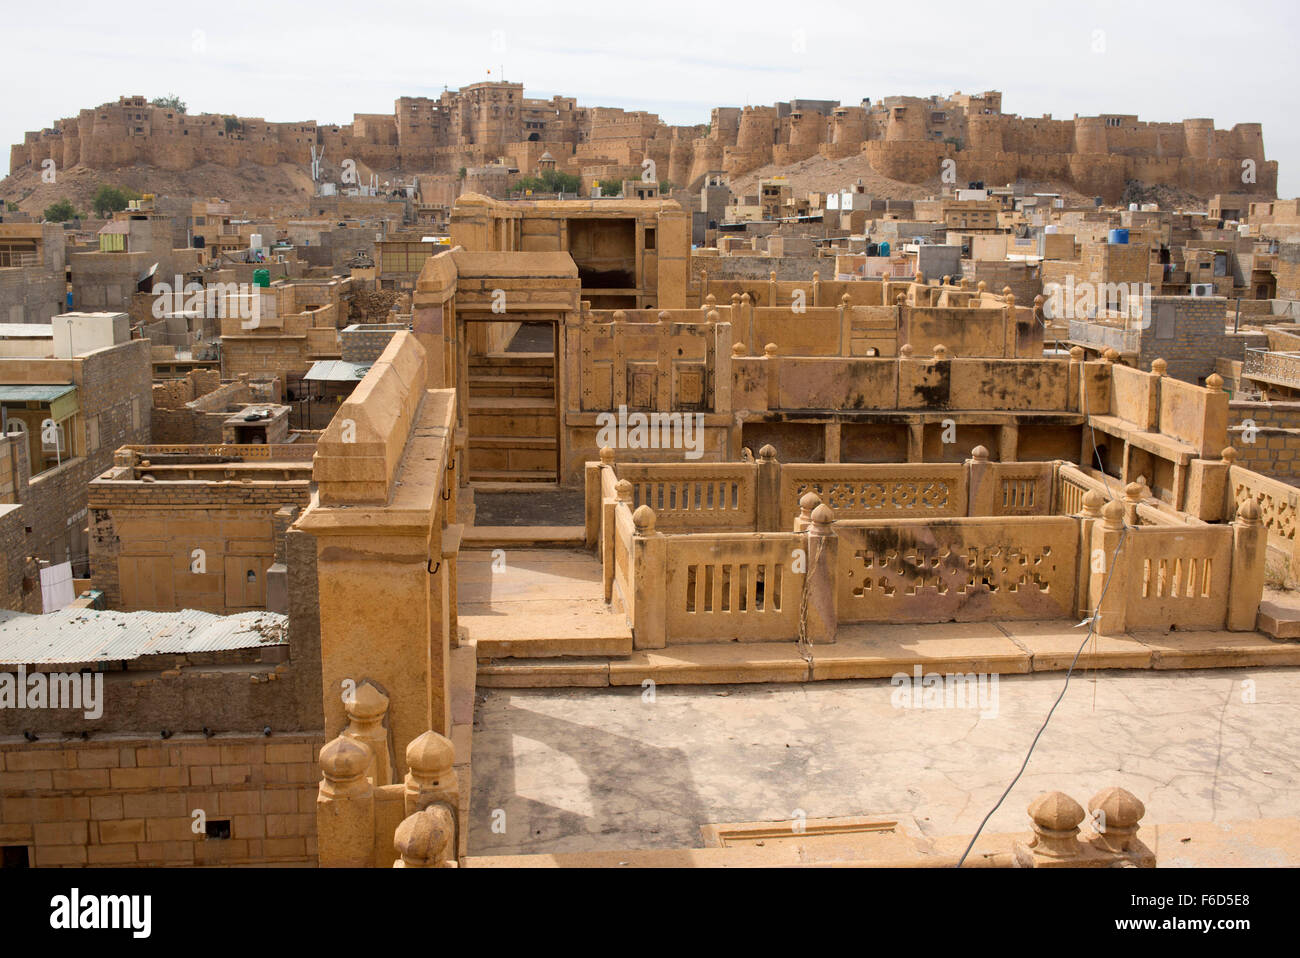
1202,289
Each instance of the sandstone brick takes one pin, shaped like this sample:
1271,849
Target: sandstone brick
125,830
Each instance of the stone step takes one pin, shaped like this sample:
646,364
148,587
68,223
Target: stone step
510,475
1278,620
579,634
538,387
511,442
882,651
524,537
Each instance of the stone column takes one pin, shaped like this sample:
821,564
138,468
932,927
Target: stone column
367,708
650,582
981,483
767,491
823,544
1249,554
1108,599
345,806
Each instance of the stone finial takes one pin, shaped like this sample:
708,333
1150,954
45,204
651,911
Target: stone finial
940,352
664,316
807,503
1214,381
710,301
1076,354
1133,492
1159,366
620,316
767,453
738,349
430,755
735,300
607,455
822,517
1229,455
1039,300
1010,299
744,299
644,520
900,299
712,317
817,276
981,286
965,282
1006,291
905,351
1112,514
623,490
920,278
423,840
980,454
770,350
771,276
846,300
1250,514
343,765
1120,813
945,281
1092,503
1111,355
1056,817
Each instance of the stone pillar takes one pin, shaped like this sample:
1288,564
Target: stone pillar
1249,553
1008,442
1132,498
1088,518
1107,599
821,622
367,708
916,442
345,806
650,570
981,483
1116,813
767,491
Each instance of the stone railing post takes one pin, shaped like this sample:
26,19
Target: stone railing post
609,533
823,551
1055,817
817,288
366,708
593,494
345,806
807,503
1249,554
981,480
432,778
426,839
771,288
650,582
1088,519
1108,599
1132,498
767,491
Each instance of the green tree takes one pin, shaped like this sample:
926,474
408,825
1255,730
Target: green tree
60,211
666,186
549,181
169,102
233,124
11,206
610,187
109,199
461,173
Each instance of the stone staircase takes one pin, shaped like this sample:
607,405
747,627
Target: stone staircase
513,422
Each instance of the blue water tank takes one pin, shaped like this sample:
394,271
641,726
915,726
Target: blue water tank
884,249
1119,237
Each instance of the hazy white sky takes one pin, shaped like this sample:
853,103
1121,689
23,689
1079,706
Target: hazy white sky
326,60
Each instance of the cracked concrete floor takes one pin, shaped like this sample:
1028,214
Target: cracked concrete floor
603,768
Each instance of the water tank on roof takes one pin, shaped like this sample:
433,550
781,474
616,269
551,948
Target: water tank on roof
262,277
1119,237
884,248
1051,230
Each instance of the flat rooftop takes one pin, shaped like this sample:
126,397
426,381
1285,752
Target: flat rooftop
580,770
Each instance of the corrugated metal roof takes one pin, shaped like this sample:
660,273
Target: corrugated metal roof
336,370
33,393
87,635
